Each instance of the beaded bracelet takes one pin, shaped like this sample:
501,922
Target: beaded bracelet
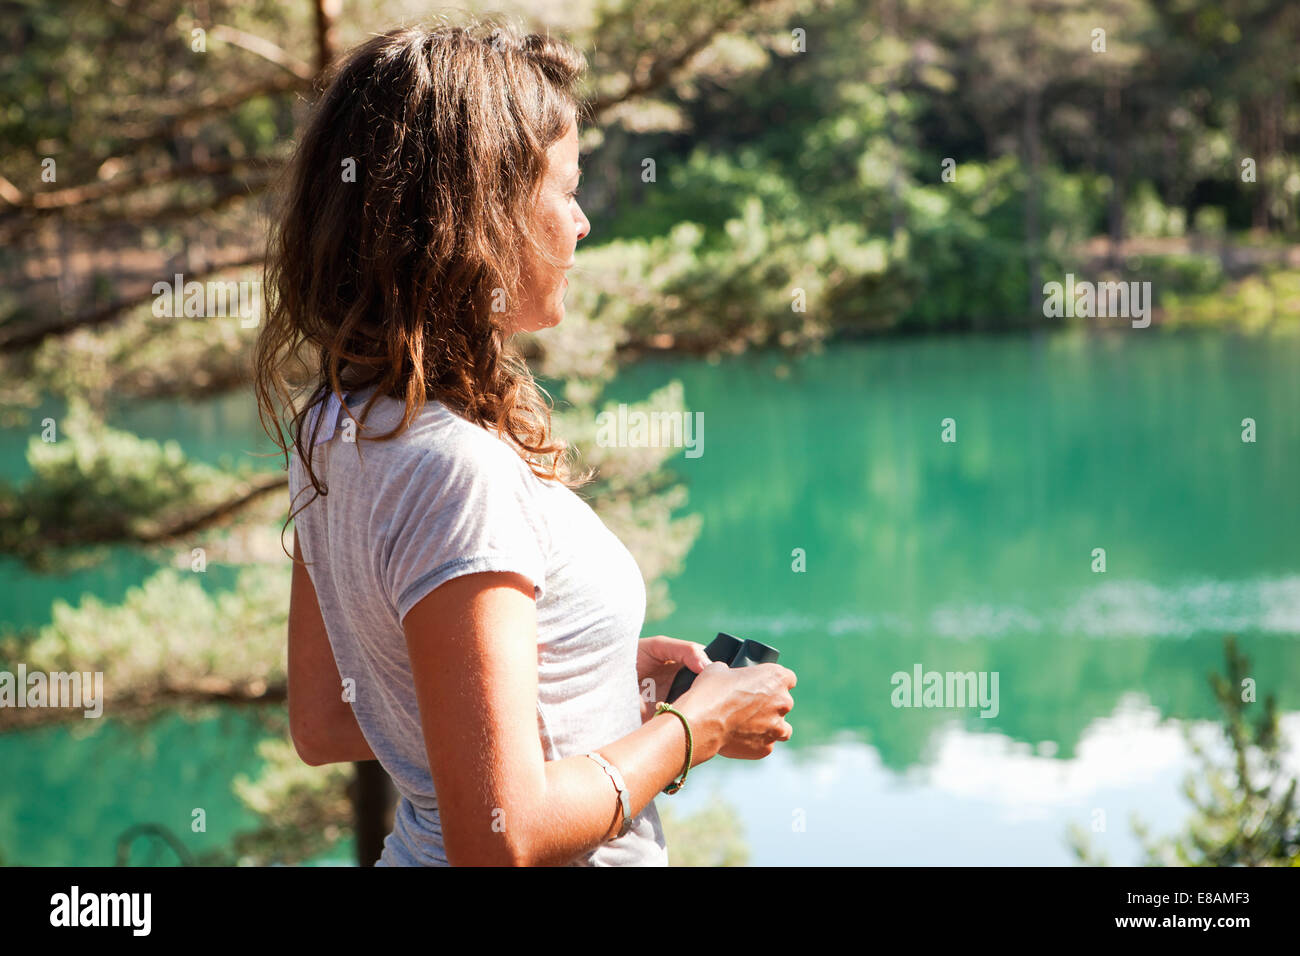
680,782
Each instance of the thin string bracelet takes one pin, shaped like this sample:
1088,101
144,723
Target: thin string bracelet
662,708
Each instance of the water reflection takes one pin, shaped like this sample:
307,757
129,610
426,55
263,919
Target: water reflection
970,556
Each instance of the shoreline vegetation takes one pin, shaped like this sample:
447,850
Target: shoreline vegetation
1243,284
764,175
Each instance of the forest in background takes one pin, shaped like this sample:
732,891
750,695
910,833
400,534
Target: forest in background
758,174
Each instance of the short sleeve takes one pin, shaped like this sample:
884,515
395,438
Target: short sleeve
469,509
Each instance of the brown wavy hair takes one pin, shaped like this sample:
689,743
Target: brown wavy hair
389,279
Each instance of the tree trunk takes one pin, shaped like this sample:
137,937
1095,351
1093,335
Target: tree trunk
1118,172
327,34
1259,215
374,799
1033,149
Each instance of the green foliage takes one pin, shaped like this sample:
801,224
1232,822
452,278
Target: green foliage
820,180
306,810
1270,299
1177,274
1145,214
635,497
707,189
965,263
171,636
958,259
77,76
147,355
1245,811
96,483
709,837
847,145
720,292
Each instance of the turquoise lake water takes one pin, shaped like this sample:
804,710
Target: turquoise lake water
975,555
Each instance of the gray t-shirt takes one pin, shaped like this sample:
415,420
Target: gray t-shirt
444,498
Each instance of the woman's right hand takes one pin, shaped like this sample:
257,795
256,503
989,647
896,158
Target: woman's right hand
738,712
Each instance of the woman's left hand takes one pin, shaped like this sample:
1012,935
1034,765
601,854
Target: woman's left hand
659,658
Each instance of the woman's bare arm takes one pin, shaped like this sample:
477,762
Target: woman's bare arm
321,722
473,651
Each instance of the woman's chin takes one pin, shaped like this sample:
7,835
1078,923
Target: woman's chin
558,313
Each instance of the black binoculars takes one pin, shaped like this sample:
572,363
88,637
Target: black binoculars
732,651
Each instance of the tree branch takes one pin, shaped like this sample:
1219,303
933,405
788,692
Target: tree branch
263,48
207,107
661,70
141,705
217,513
59,199
26,335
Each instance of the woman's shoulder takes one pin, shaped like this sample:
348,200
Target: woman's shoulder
437,441
434,425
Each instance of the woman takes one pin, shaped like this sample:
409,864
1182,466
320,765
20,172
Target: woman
462,616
